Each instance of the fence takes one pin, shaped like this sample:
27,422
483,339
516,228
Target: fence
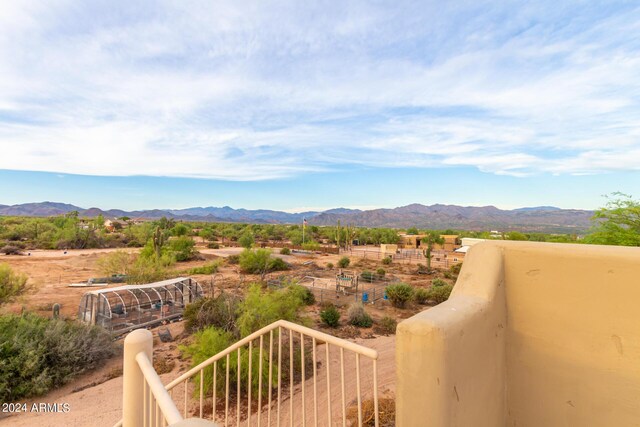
258,392
438,259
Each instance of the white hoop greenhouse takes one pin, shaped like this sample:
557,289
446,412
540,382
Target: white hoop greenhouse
124,308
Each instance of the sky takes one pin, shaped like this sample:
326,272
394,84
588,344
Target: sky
312,105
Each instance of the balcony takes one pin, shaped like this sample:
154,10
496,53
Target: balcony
533,335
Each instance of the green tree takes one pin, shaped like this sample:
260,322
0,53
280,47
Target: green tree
412,231
246,240
617,223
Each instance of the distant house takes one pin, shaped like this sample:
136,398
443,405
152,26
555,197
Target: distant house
112,225
414,241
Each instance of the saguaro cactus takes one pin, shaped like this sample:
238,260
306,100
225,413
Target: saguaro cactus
158,241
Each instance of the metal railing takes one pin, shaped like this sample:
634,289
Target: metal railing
280,362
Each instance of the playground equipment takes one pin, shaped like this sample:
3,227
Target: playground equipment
125,308
346,281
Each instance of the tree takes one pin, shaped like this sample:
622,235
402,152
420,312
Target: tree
430,239
246,240
11,284
617,223
412,231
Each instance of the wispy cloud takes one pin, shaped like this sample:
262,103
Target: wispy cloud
262,90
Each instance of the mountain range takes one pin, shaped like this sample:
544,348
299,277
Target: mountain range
546,219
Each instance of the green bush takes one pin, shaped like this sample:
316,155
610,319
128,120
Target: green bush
246,240
387,325
440,294
381,272
304,293
221,312
399,294
213,245
387,260
344,262
438,282
278,264
259,261
11,284
311,246
233,259
330,316
285,251
183,248
358,316
40,354
210,268
147,270
421,296
368,276
330,265
261,308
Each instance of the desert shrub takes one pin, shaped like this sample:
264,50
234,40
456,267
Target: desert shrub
11,250
278,264
438,282
261,308
118,262
213,245
330,316
221,312
183,248
330,265
147,270
358,316
304,293
311,246
448,275
399,294
368,276
387,260
421,295
387,325
344,262
285,251
210,268
440,294
246,240
40,354
11,284
422,269
233,259
255,262
455,269
381,272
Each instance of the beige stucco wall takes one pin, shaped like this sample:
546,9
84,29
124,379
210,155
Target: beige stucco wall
565,321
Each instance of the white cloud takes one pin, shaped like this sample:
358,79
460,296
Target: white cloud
251,91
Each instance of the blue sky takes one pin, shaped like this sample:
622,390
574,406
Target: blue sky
295,105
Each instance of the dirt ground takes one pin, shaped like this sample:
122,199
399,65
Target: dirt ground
51,271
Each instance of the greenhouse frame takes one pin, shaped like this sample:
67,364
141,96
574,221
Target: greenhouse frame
129,307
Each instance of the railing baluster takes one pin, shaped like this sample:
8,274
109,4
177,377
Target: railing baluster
279,373
186,388
157,414
328,384
375,392
226,399
238,396
290,378
260,383
215,386
201,391
358,389
344,403
145,404
315,384
249,385
270,375
302,382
